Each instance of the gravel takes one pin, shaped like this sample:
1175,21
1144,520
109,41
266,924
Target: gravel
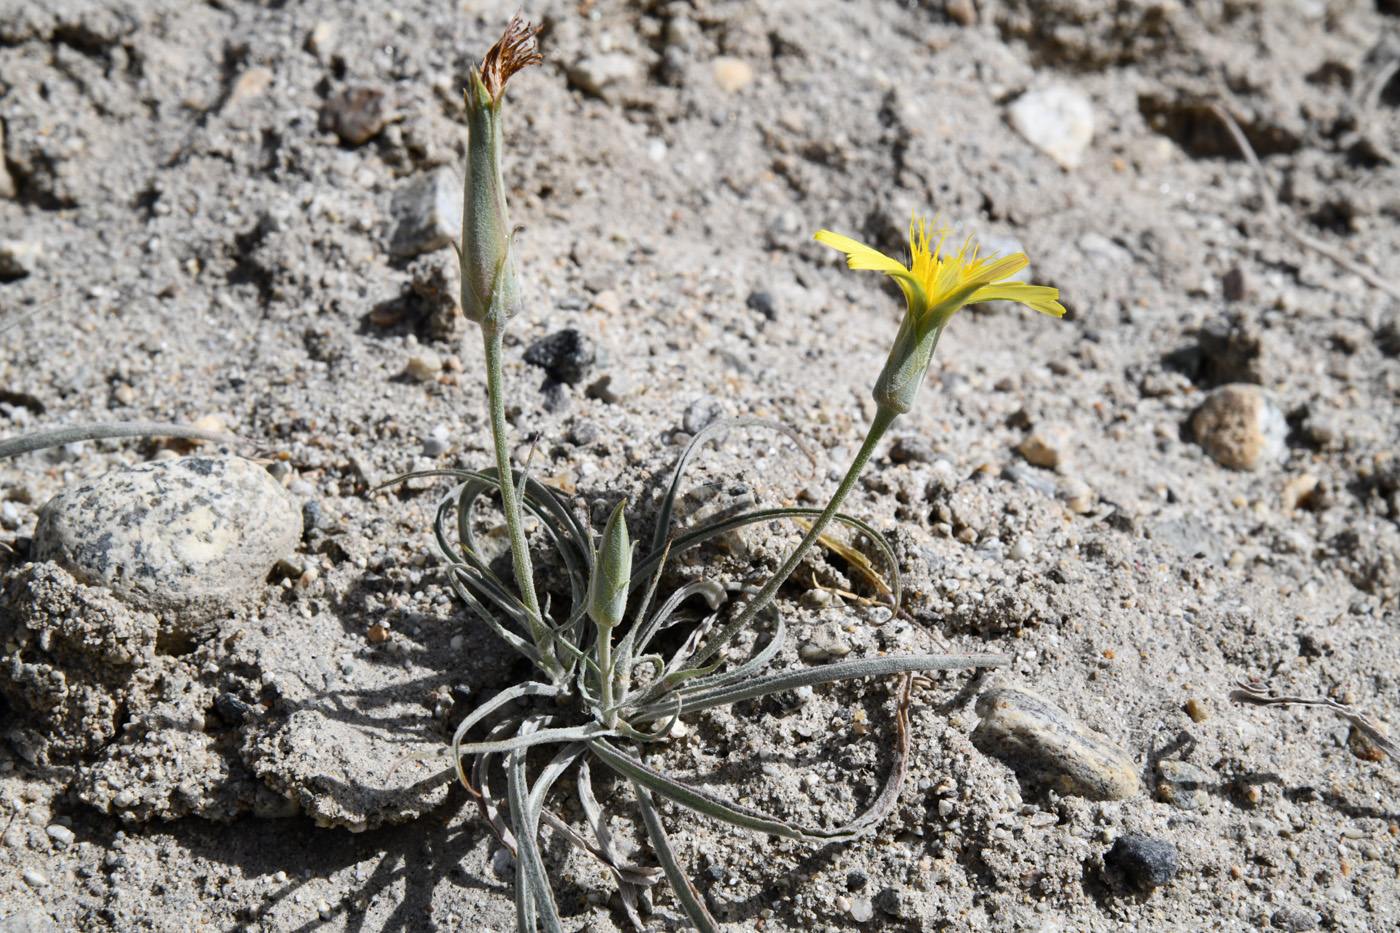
194,244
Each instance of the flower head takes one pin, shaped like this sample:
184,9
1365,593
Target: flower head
935,286
490,289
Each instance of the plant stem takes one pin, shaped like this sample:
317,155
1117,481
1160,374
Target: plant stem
510,502
884,417
605,669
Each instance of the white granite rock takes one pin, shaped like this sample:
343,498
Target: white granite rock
189,537
1059,121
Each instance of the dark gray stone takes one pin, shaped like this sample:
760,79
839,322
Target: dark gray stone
1232,350
567,356
764,304
1143,861
912,448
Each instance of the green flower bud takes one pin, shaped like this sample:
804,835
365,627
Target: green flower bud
490,286
612,574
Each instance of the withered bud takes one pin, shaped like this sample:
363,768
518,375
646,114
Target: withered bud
515,50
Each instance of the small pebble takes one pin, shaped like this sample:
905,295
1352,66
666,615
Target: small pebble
1042,743
962,12
1240,428
502,862
426,212
1294,919
1234,284
61,835
33,878
1046,447
1077,496
583,434
1198,710
862,909
1144,862
764,303
1021,550
321,37
18,258
731,74
1298,492
701,413
356,114
435,446
823,643
423,366
1321,430
607,302
324,910
1182,784
1059,121
605,75
912,448
249,84
378,633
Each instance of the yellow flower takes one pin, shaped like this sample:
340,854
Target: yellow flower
935,287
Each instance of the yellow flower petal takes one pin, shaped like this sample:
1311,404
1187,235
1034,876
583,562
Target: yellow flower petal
858,254
1040,297
1003,268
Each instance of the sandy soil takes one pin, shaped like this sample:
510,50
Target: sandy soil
190,205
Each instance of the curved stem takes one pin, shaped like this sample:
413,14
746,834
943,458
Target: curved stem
510,504
884,417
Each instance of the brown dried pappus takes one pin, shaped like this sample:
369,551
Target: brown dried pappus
515,50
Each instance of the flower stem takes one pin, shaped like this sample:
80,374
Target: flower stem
510,501
884,417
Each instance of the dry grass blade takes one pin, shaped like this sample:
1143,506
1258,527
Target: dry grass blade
1255,695
1291,228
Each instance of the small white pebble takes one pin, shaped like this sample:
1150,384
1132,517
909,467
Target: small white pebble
61,835
324,910
34,879
457,642
1021,550
424,366
862,909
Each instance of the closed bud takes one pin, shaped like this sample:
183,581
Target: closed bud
612,574
490,286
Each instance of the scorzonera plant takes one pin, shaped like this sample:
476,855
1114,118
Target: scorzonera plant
603,690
